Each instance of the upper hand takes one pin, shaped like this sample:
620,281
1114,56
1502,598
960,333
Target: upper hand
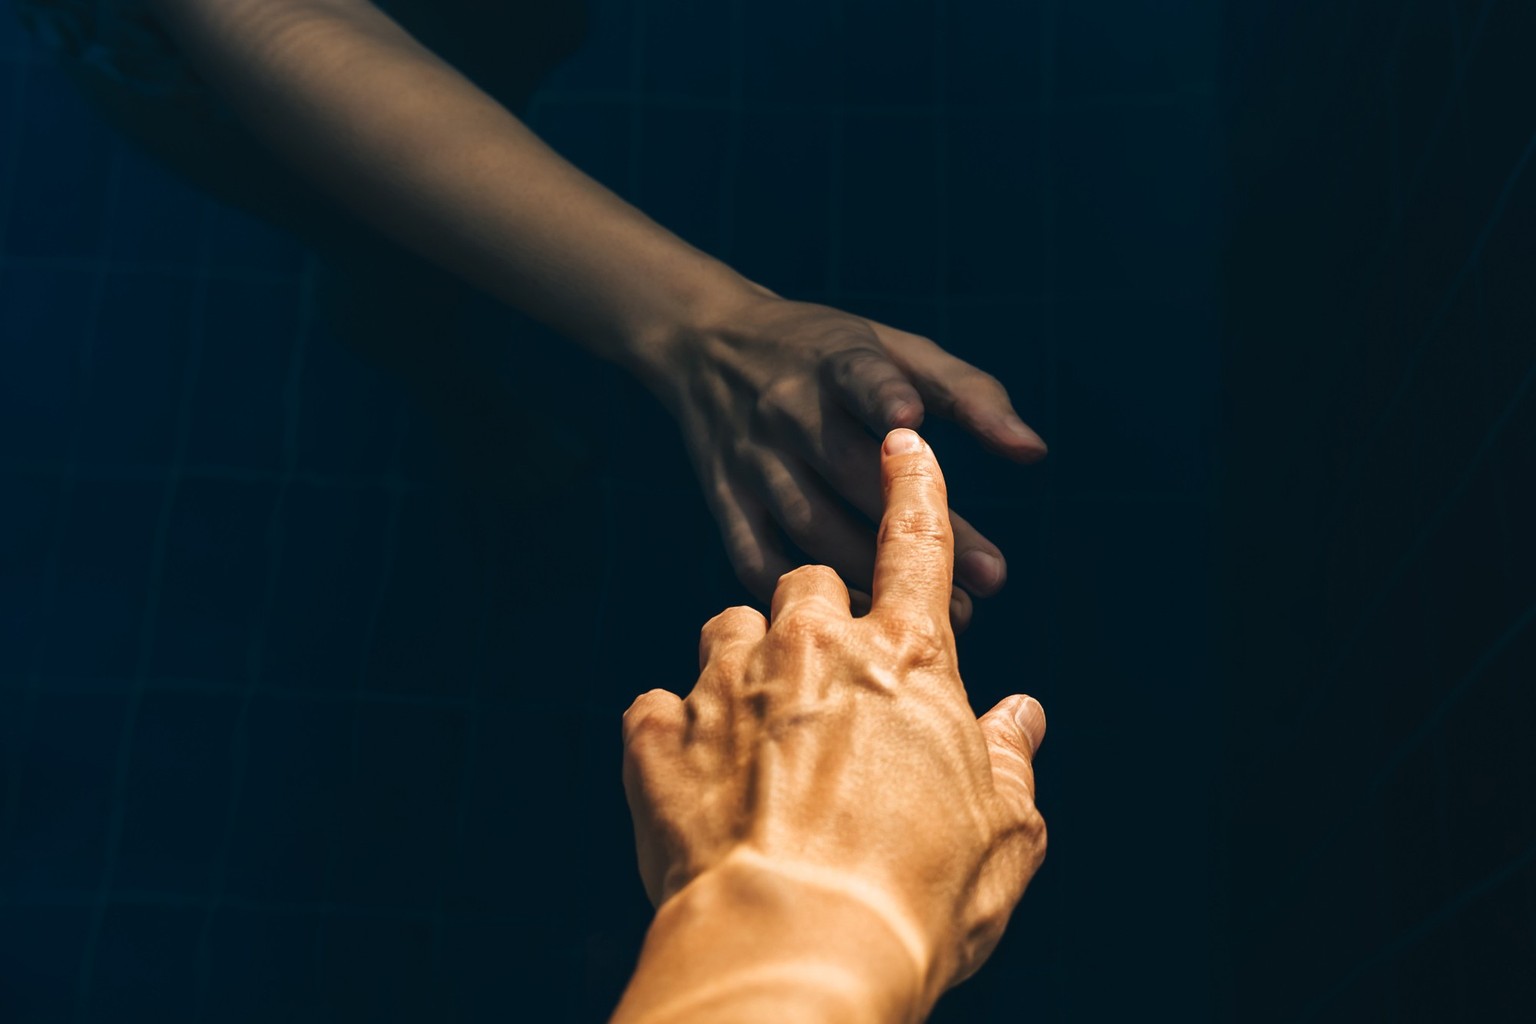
843,752
777,400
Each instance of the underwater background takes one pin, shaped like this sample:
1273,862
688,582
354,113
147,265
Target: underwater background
324,580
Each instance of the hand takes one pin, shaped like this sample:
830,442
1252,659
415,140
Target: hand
843,753
776,400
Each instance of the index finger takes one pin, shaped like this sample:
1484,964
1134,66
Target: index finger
915,548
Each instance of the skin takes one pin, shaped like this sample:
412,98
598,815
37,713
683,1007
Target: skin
779,403
827,830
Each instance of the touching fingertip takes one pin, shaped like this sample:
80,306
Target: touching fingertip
905,414
902,441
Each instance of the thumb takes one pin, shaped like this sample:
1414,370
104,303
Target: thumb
1013,731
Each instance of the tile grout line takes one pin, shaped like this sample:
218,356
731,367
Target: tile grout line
240,740
66,479
360,695
197,332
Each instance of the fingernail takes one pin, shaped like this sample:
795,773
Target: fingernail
902,441
1030,718
981,570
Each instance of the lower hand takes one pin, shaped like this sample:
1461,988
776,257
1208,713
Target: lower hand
844,752
776,401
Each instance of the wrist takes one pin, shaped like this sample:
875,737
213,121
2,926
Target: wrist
745,941
656,347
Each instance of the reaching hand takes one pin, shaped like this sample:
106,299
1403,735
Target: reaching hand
776,406
843,752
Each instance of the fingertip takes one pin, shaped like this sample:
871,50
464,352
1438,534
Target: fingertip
1015,430
907,414
1034,455
903,441
959,616
983,572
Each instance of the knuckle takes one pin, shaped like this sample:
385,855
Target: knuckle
844,366
637,707
1034,825
777,398
1030,833
850,333
1038,842
728,620
730,662
645,731
804,625
812,570
647,722
893,387
916,524
914,470
916,638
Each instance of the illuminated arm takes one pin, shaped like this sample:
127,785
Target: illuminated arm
418,151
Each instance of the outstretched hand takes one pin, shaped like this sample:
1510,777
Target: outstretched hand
842,754
781,405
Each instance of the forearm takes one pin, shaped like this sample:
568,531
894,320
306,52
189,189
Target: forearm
741,946
415,149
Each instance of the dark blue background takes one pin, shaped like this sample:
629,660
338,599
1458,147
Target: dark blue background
310,708
1378,792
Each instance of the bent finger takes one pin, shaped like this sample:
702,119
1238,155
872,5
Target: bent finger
738,624
810,584
814,519
746,527
659,708
872,388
